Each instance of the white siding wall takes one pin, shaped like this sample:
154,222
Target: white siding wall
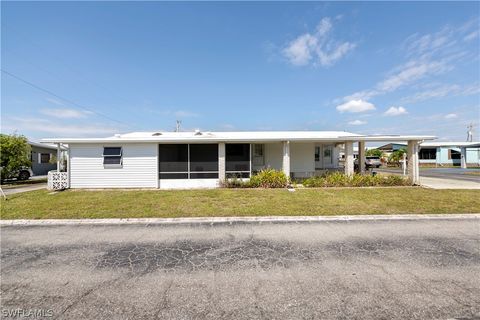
302,156
139,168
274,155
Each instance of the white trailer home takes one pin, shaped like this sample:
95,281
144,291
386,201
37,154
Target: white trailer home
172,160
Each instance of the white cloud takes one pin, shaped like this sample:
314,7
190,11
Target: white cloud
55,101
441,91
395,111
355,106
176,113
184,114
64,113
317,48
431,42
52,127
451,116
410,72
299,51
227,126
471,35
357,122
426,56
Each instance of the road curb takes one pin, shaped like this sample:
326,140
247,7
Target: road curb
226,220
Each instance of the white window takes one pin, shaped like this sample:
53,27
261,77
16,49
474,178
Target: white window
112,156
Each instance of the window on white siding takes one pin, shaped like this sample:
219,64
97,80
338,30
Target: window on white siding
112,156
44,158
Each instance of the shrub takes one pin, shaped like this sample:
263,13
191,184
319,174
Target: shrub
14,154
394,180
269,178
234,183
314,182
338,179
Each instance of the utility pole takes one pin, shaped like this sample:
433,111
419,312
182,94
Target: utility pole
470,133
177,126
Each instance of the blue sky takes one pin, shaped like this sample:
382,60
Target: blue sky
387,68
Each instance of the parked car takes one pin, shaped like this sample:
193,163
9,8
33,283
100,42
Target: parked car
24,173
370,162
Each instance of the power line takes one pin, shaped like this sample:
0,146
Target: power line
62,98
66,65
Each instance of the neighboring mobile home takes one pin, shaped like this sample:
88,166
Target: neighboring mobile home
42,157
170,160
443,152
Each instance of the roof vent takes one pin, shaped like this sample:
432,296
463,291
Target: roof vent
118,135
197,132
157,134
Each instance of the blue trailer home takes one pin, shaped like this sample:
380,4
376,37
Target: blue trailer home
442,153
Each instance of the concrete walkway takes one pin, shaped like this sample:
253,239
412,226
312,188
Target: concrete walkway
32,187
437,183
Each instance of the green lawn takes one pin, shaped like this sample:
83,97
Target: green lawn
74,204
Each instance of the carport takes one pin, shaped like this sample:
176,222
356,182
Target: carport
413,143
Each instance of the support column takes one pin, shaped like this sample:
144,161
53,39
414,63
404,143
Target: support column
413,170
58,157
221,161
463,157
349,158
361,156
286,158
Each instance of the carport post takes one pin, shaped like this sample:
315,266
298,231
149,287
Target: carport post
58,157
463,157
221,161
286,158
412,152
349,158
361,156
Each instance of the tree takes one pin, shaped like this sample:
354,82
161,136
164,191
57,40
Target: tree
397,156
14,153
374,153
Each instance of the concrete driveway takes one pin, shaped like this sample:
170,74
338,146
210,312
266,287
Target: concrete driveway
422,269
20,189
444,178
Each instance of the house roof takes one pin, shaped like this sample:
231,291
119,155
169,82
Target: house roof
239,136
42,145
432,144
450,144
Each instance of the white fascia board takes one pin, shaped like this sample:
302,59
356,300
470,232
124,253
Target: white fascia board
450,144
389,138
238,140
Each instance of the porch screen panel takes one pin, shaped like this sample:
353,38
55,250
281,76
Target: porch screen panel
203,161
237,160
173,161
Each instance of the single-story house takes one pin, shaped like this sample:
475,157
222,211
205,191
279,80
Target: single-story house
442,152
41,156
169,160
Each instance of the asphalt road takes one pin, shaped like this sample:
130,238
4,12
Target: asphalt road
442,173
424,269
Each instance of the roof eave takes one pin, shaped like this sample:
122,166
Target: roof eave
238,140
